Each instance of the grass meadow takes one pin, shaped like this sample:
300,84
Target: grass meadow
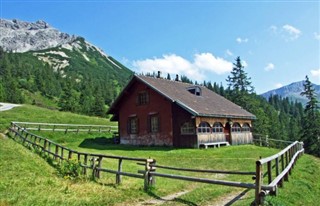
28,179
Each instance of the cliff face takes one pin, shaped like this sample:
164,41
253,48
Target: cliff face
21,36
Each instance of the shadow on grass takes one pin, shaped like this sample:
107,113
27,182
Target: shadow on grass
104,143
174,200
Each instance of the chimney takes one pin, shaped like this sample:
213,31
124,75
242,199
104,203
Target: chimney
177,78
159,75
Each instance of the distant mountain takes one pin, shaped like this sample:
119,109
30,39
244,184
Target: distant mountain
21,36
292,91
32,49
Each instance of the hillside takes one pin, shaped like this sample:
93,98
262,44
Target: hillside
292,91
41,184
43,66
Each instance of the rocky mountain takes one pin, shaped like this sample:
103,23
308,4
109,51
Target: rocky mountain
44,63
292,91
21,36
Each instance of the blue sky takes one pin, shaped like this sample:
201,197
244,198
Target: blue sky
278,41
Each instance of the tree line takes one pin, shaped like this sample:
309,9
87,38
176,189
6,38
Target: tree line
23,78
90,94
277,117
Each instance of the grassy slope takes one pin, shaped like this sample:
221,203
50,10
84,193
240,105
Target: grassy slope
28,113
40,184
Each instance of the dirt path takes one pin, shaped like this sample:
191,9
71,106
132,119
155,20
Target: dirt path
226,200
162,200
229,199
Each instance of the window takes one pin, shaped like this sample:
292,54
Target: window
217,127
204,127
132,125
246,127
187,128
236,127
154,123
195,90
143,98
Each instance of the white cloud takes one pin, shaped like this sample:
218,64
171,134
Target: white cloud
278,85
292,32
269,67
315,73
240,40
316,36
211,63
174,64
229,53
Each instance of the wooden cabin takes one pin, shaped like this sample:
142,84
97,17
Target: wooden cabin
156,111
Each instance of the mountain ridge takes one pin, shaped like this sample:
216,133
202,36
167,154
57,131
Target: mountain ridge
292,91
56,65
21,36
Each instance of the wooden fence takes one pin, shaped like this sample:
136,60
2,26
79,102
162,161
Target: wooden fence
262,140
278,166
86,160
32,126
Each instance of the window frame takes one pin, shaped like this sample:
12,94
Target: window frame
143,98
217,127
236,127
187,128
154,123
246,128
133,125
204,129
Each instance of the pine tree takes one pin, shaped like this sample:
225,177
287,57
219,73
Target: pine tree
311,120
238,81
239,85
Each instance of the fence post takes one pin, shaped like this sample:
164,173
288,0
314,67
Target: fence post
260,141
282,168
147,174
56,153
269,172
93,166
286,176
70,154
258,185
85,162
45,145
118,176
98,166
61,153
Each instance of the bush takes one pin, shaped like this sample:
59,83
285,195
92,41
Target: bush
70,169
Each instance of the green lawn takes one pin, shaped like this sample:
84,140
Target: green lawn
27,179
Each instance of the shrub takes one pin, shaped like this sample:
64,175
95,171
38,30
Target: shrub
70,169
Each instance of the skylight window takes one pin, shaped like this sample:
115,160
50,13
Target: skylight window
195,90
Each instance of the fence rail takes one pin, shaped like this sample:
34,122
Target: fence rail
278,165
33,126
87,160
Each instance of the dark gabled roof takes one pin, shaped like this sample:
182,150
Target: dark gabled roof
208,104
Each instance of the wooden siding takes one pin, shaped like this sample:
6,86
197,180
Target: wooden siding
211,137
241,138
157,105
180,116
